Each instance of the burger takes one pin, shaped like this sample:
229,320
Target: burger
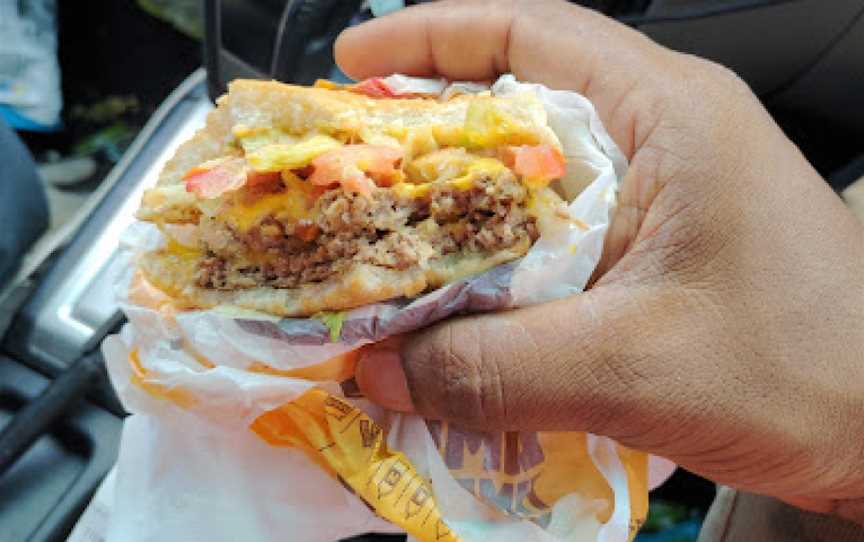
296,200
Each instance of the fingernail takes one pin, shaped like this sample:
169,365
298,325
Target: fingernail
382,379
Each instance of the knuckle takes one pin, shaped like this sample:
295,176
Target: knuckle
727,76
710,68
720,83
703,82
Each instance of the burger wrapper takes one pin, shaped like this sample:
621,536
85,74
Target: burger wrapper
245,427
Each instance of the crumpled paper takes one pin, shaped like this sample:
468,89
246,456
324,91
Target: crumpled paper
240,429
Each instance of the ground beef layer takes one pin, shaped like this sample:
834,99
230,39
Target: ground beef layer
385,230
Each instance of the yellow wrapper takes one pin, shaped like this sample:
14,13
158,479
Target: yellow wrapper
520,474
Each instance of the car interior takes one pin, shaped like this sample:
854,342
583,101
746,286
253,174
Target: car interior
60,422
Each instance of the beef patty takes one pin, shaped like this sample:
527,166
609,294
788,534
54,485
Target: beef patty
386,230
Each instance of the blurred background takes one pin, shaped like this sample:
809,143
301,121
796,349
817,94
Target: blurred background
96,91
117,60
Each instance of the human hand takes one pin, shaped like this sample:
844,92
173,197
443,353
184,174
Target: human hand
725,330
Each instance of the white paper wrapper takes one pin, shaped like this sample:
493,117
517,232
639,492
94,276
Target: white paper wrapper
191,469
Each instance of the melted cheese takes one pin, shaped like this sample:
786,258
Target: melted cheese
481,167
291,205
458,169
410,190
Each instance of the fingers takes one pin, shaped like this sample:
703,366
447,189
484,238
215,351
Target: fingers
543,41
566,365
450,39
384,379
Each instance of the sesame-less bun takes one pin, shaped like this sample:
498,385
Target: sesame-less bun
296,200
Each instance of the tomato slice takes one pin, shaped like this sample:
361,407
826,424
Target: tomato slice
355,167
215,177
374,87
255,178
359,183
537,164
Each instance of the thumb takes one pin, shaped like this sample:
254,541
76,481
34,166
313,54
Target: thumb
593,362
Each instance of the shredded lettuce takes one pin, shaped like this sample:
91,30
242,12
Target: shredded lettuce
333,321
280,156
